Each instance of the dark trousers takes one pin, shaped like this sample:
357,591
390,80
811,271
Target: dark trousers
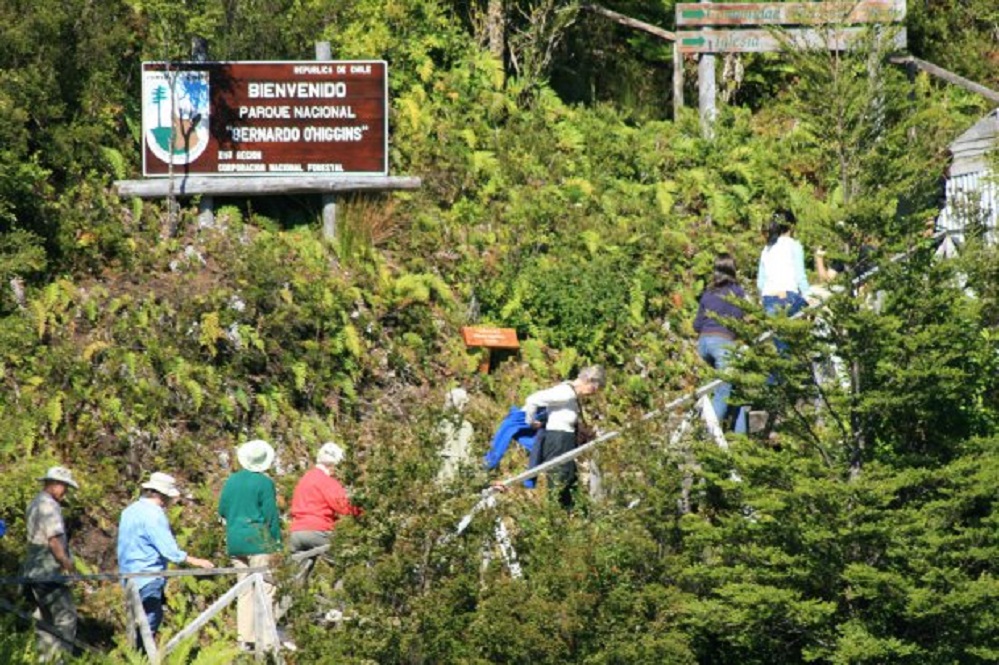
303,541
563,478
153,599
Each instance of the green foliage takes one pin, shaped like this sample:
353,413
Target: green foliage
863,532
958,36
16,646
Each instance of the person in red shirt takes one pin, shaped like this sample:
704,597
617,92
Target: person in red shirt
318,502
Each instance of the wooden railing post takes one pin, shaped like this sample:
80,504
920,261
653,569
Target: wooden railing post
142,622
258,618
130,617
264,627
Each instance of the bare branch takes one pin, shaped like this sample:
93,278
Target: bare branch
631,22
948,76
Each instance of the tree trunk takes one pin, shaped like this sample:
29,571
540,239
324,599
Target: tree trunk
496,29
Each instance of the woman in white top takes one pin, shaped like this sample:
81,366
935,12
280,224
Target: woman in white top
781,276
562,403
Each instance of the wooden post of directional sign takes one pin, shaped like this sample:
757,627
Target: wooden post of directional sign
324,52
489,339
677,81
706,93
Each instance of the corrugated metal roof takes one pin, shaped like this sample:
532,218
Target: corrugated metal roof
971,147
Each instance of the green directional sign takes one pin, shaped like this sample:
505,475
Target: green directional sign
789,13
763,41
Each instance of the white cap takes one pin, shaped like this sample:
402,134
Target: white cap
162,483
330,453
256,455
60,474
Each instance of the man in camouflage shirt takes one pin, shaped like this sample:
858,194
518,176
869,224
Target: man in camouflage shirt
49,556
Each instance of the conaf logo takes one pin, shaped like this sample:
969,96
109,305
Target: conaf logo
175,107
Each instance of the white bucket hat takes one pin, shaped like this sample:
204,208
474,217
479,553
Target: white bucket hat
256,455
330,453
162,483
60,474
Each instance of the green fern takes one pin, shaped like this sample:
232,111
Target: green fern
54,411
300,371
116,161
195,392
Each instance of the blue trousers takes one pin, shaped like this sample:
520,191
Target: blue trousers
715,350
153,598
790,305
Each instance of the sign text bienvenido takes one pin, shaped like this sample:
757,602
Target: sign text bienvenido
265,118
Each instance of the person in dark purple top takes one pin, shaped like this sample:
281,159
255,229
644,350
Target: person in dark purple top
716,341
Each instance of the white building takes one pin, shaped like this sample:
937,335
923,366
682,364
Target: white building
973,183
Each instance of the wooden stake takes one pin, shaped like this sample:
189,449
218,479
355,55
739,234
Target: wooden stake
142,621
264,627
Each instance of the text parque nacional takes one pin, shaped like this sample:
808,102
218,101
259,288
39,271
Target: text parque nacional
298,112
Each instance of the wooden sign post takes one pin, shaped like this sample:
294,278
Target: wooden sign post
489,339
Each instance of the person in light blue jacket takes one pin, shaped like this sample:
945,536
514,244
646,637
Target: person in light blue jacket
146,543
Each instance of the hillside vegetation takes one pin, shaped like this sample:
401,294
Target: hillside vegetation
559,198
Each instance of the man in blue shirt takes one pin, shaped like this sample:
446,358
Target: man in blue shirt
146,543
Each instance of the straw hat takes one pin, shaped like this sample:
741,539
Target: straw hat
60,474
162,483
256,455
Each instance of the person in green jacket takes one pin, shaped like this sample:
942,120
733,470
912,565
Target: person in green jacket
248,505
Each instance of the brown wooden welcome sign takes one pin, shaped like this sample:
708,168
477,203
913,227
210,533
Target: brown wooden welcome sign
308,118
